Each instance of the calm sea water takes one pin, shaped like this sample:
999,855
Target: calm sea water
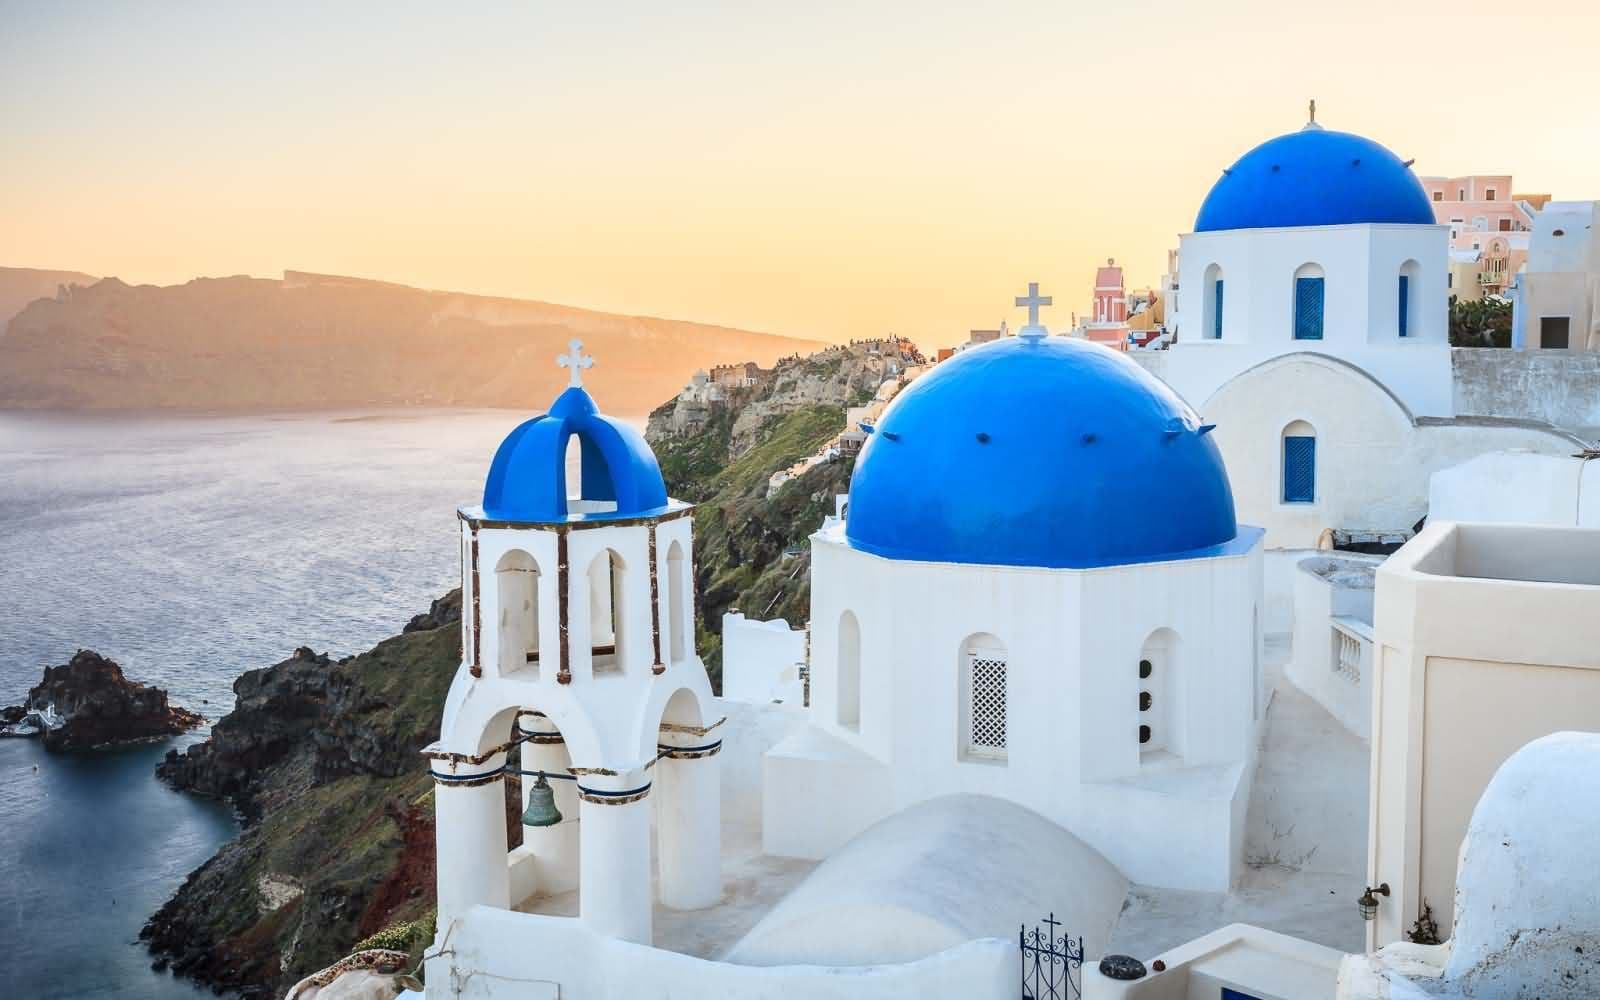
189,550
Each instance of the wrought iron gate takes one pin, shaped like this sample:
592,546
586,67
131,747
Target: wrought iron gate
1050,965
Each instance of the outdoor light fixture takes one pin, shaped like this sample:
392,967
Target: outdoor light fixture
542,809
1368,903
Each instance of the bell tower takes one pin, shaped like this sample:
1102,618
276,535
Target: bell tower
579,673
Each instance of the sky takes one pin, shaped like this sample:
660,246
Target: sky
820,170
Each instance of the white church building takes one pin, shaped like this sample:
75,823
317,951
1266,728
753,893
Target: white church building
1004,612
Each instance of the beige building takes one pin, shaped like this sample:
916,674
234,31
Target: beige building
1488,637
1556,300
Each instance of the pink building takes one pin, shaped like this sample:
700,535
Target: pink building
1478,204
1108,317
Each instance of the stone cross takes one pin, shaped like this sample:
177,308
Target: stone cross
1313,111
576,362
1033,300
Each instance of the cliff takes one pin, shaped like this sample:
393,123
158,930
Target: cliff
21,285
320,757
751,549
324,342
88,702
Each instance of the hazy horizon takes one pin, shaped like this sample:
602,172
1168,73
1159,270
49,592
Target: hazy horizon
821,172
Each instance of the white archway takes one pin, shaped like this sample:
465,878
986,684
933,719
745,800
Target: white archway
984,672
848,672
607,612
516,578
1161,710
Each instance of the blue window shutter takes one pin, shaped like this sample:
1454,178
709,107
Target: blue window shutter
1217,329
1405,289
1308,308
1299,469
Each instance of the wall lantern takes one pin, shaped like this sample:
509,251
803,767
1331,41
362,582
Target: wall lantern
1368,903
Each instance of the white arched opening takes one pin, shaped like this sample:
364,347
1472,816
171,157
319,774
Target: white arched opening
984,671
678,614
1161,717
1299,473
849,671
1406,309
517,598
1212,315
607,607
1309,297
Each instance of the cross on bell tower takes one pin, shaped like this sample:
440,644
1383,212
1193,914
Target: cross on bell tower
1033,300
575,361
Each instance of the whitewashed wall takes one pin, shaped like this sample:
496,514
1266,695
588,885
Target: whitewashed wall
1323,608
761,661
1518,487
501,955
1073,641
1373,460
1361,265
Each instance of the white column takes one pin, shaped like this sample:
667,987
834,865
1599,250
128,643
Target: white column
470,839
555,848
689,824
614,859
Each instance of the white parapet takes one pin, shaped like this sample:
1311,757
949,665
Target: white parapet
761,661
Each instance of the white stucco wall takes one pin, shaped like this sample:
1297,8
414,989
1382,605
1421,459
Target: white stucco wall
1252,960
887,896
1557,387
1333,596
1073,641
494,954
1519,487
761,661
1361,266
1372,459
1478,656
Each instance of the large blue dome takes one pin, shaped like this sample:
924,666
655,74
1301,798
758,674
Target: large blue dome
1050,452
528,478
1315,177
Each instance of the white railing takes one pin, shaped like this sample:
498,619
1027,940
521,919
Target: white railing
1352,642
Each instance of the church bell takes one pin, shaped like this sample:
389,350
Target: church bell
541,809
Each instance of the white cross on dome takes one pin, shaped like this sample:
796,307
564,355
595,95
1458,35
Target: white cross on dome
1033,300
575,361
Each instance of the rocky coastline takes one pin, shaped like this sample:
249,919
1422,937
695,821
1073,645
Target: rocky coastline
88,702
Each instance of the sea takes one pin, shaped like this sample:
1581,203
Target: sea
189,549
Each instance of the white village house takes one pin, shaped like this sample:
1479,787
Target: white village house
1067,662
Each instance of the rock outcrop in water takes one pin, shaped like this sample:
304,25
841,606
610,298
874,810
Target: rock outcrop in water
88,702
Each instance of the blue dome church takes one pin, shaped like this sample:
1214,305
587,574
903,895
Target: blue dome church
1039,591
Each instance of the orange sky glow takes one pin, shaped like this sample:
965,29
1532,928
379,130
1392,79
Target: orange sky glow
819,170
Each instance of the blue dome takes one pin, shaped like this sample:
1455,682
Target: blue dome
1054,452
528,478
1314,177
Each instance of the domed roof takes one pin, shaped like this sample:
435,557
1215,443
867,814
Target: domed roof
1315,177
528,478
1050,452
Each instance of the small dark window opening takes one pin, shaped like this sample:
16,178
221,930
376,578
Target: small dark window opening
1554,331
1144,701
1144,669
1144,734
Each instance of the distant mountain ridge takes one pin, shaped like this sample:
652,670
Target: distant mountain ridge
314,341
21,285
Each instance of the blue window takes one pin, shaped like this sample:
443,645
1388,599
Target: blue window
1405,291
1216,328
1299,469
1308,308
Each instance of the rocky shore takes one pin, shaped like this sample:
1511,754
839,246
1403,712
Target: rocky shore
88,702
320,758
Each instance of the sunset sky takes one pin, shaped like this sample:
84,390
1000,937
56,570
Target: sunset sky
812,169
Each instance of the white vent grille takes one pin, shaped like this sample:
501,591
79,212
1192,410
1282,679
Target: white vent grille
988,732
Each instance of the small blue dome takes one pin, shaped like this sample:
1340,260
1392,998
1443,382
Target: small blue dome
1315,177
528,478
1053,452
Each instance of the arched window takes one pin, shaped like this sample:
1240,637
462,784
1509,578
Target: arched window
606,618
1160,711
1408,283
517,596
849,671
677,606
1211,321
1299,463
983,698
1308,297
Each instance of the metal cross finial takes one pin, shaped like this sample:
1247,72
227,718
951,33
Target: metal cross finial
1033,300
1313,111
576,362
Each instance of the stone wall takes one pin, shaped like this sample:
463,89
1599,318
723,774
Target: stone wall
1558,387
